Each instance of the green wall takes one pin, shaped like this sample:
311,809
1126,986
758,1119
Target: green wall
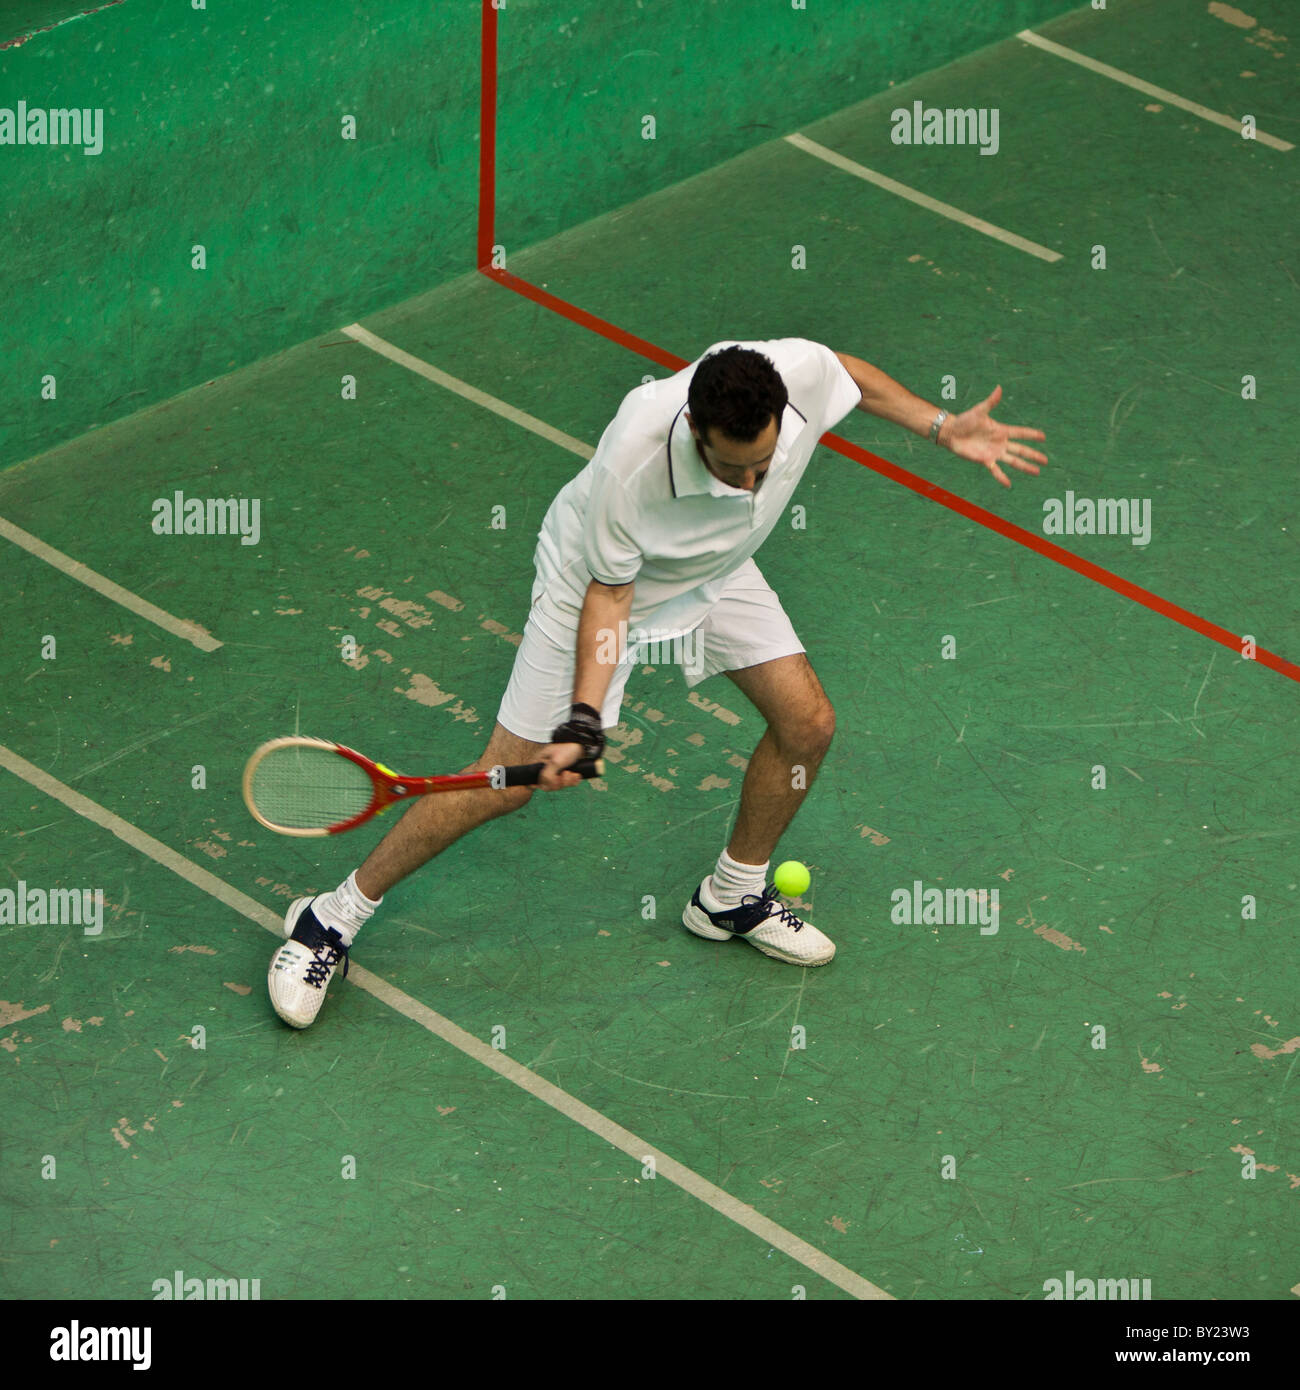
222,128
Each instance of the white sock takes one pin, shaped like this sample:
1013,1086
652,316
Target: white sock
346,909
732,881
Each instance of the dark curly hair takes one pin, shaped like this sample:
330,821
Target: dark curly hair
736,391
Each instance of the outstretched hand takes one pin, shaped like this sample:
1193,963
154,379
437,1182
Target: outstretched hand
975,435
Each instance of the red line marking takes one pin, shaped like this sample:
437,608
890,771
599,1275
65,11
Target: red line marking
586,320
21,39
921,486
487,153
1042,546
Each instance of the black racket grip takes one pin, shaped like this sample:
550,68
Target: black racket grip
528,774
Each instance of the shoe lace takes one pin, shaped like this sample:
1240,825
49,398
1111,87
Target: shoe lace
770,900
327,955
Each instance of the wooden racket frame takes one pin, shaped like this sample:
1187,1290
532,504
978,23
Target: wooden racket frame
389,787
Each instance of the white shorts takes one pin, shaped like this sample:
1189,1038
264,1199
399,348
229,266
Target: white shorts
745,627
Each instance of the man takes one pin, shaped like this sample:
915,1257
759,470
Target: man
655,537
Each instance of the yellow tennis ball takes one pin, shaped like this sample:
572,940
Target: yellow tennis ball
792,878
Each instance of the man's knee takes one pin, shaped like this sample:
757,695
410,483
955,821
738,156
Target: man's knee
808,736
504,799
513,799
505,749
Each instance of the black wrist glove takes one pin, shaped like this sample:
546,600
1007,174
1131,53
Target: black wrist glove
583,726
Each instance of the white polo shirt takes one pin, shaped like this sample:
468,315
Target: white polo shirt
645,509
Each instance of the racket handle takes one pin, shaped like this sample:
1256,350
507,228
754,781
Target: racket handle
527,774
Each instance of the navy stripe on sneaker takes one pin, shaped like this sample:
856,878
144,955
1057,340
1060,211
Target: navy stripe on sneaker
324,943
753,909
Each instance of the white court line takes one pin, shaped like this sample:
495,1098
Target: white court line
1171,98
924,200
178,627
600,1125
470,393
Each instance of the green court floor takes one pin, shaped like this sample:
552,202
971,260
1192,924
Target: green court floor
928,1048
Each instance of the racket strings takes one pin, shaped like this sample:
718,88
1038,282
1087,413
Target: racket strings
309,788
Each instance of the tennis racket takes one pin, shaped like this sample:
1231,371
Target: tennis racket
309,786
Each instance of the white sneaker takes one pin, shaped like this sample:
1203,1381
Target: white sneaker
302,968
766,923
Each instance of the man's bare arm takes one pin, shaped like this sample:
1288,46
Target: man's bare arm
605,609
973,434
890,399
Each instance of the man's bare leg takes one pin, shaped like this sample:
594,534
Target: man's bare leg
438,820
321,930
800,725
733,900
434,822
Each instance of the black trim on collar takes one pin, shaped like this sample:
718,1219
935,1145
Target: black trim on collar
671,428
